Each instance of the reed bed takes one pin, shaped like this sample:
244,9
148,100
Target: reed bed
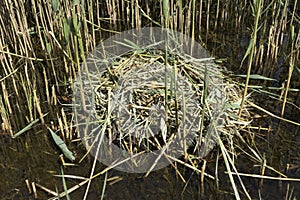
42,46
49,40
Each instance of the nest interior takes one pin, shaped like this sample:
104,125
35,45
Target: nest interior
146,100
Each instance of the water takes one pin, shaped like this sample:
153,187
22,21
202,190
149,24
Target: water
31,157
34,157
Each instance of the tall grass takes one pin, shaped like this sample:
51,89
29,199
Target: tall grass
256,7
50,39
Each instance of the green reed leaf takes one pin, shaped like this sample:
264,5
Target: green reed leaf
66,27
48,47
60,143
293,32
257,77
55,5
251,45
26,128
75,2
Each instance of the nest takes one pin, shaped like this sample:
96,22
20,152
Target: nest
147,101
154,105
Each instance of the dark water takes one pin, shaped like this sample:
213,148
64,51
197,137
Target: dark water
33,156
29,157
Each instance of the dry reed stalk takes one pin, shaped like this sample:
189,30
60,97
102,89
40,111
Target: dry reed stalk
207,19
292,63
180,16
188,20
217,14
66,125
193,19
200,17
5,122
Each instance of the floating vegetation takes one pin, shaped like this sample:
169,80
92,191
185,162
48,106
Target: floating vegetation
61,144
